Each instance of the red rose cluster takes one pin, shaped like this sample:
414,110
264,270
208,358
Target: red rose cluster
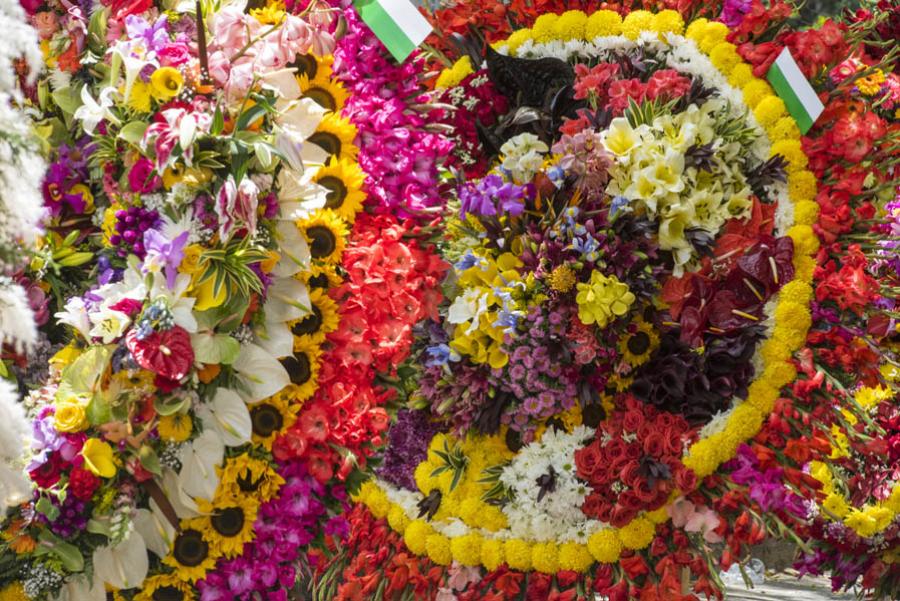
633,463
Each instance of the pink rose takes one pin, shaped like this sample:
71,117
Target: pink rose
173,55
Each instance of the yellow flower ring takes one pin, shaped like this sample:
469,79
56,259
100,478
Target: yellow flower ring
721,66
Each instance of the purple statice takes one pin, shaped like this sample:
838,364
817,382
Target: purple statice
489,195
408,441
733,12
766,487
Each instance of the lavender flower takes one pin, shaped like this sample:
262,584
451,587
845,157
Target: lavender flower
490,193
164,254
408,447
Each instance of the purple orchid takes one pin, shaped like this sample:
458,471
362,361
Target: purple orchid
164,254
490,193
155,36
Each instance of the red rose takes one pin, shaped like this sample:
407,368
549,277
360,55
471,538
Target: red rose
168,353
632,421
594,505
633,451
83,483
685,479
123,8
587,460
47,474
655,445
631,473
672,439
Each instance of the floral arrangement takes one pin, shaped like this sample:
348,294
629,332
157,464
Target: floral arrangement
656,318
200,195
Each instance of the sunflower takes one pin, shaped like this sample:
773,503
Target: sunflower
227,523
343,179
272,13
315,68
320,276
244,474
166,587
329,94
336,135
637,346
270,418
619,383
321,320
191,555
303,369
326,234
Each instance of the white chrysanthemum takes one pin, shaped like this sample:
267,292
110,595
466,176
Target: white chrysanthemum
14,431
16,318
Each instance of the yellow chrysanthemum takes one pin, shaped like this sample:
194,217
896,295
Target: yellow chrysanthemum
466,549
545,557
713,33
755,91
13,592
227,523
570,26
322,319
175,428
695,29
518,554
270,418
837,505
703,458
454,75
336,135
740,75
636,22
574,557
517,38
561,279
868,397
492,553
725,57
344,180
605,546
326,234
191,556
603,23
769,111
437,546
166,586
784,129
542,30
668,21
397,518
793,153
416,535
244,474
329,94
802,184
871,83
806,212
806,243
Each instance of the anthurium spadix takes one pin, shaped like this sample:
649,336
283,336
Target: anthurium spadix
260,373
124,565
199,458
228,415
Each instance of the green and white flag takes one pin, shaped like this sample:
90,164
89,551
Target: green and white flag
790,84
397,23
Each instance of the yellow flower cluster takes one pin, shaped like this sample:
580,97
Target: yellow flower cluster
454,75
603,299
867,521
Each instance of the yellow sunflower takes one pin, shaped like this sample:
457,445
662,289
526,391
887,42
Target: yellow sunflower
303,369
227,523
320,276
322,319
326,234
330,94
244,474
619,383
344,180
270,418
636,347
166,587
272,13
336,136
315,68
191,556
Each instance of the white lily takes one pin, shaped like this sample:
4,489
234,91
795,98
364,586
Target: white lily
198,477
92,112
134,57
228,415
124,565
261,374
180,304
75,314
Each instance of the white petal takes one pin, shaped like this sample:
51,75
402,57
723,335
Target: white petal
78,588
302,117
276,339
288,300
229,416
156,530
260,372
293,248
124,565
184,505
198,477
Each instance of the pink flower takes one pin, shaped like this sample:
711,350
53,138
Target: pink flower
174,54
141,177
237,204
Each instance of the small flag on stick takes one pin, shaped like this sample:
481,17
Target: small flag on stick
799,97
397,23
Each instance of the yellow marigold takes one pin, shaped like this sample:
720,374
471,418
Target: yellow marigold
780,374
517,38
658,516
378,503
703,458
805,240
804,266
492,554
542,30
636,22
518,554
769,111
784,129
668,21
545,557
740,75
871,83
455,74
570,26
755,90
574,557
806,212
869,398
793,153
793,316
797,292
893,501
605,546
774,351
762,395
713,33
802,184
603,23
725,57
836,503
638,533
745,421
416,535
424,480
437,546
397,518
466,549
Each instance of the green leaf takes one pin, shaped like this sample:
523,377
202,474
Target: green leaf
98,527
215,348
218,123
133,132
250,116
263,155
150,461
170,405
69,555
98,410
84,373
67,99
48,509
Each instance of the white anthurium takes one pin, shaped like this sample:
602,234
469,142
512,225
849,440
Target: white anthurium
199,459
92,112
288,300
284,82
124,565
298,195
228,415
276,338
302,117
260,372
184,506
155,528
78,588
294,250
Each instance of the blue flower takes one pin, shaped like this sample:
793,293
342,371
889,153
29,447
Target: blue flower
618,203
439,355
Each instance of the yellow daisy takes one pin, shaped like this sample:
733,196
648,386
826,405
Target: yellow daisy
330,94
270,418
244,474
336,136
344,180
322,320
228,523
165,587
315,68
636,347
191,556
326,234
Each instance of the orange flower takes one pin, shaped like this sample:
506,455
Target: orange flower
69,60
209,372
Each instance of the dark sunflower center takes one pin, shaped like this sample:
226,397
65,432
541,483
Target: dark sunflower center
247,483
266,419
319,281
190,548
322,97
167,593
229,521
337,191
639,343
329,142
298,368
306,65
309,324
323,241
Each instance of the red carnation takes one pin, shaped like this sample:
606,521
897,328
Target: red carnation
83,483
47,474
